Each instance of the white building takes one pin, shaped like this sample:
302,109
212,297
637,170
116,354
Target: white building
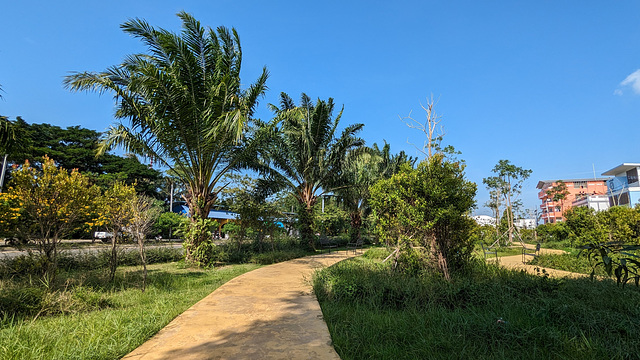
524,223
596,202
484,220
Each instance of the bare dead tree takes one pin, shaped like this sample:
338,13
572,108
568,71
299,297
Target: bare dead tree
430,127
144,216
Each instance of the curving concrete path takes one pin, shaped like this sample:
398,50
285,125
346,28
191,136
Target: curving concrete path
268,313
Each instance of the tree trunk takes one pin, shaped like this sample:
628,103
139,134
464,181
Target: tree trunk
199,208
143,258
356,225
113,260
306,227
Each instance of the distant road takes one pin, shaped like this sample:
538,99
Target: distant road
10,253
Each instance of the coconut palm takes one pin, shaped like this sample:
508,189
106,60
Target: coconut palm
308,155
182,104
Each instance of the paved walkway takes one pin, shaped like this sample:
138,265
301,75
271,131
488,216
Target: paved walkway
268,313
515,262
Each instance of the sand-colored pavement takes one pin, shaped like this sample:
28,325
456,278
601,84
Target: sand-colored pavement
515,262
268,313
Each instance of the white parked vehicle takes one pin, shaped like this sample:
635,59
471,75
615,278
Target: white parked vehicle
103,235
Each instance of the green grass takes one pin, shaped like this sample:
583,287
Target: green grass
502,251
105,321
567,262
489,313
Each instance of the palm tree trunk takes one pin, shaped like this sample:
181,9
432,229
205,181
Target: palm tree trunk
306,227
356,225
113,260
199,208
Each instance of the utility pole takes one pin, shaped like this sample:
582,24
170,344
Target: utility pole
4,169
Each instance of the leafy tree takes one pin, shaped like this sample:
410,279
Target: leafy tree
75,148
184,106
610,239
558,192
52,203
117,212
307,156
71,148
584,227
258,213
508,181
494,185
167,223
553,232
619,224
427,207
333,220
129,170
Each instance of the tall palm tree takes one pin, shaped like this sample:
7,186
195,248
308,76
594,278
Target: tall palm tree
182,103
361,172
308,155
365,168
8,142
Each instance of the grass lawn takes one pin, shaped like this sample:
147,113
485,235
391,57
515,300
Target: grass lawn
489,313
568,262
502,251
90,319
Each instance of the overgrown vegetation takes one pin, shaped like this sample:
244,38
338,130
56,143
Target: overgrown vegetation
489,312
422,212
566,262
95,319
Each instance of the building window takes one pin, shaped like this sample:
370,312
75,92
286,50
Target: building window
621,199
624,198
632,176
579,184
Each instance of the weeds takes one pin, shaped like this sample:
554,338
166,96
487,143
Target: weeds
98,320
486,312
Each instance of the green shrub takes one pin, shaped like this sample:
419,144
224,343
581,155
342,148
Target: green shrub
20,301
167,224
30,264
26,265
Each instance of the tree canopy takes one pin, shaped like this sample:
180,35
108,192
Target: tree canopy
182,103
308,155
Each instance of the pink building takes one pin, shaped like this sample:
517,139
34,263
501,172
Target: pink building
582,192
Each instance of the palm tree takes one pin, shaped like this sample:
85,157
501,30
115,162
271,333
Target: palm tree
183,104
390,164
362,171
365,168
307,156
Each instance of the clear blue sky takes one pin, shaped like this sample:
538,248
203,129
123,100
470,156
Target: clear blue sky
551,86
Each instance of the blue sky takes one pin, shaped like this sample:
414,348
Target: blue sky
551,86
